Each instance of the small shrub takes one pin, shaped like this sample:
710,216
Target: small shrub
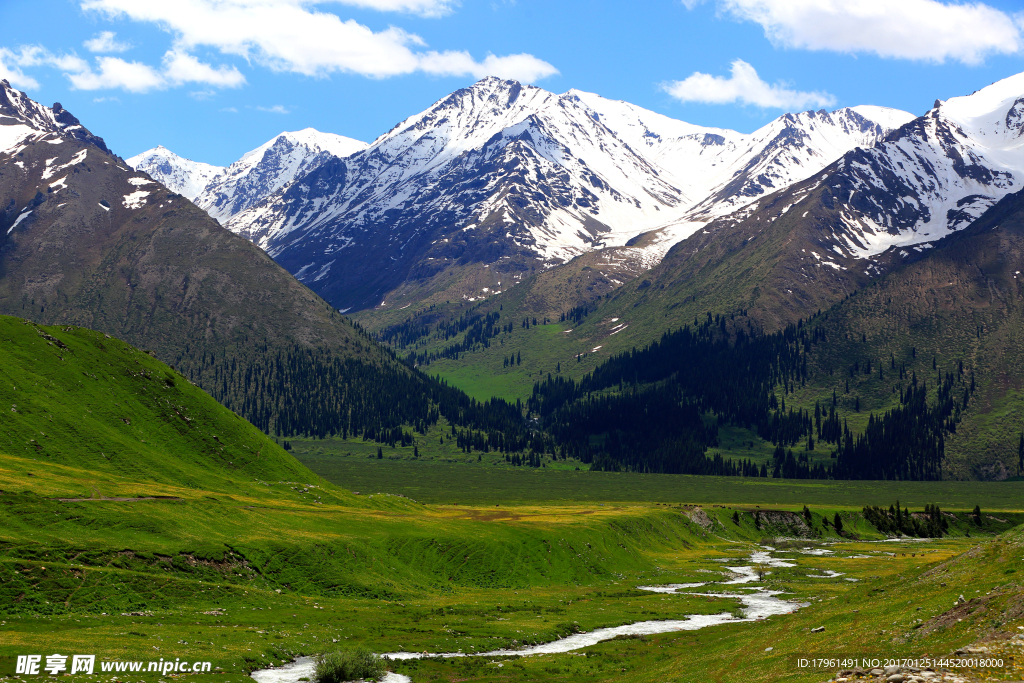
347,665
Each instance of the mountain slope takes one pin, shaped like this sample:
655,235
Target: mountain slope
87,241
961,300
84,399
511,178
800,250
178,174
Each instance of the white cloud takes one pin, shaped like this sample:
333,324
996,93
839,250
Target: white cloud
522,67
106,42
180,67
276,109
10,72
745,87
926,30
114,72
28,56
294,36
425,8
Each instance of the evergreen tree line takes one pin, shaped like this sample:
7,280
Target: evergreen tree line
644,410
314,392
479,329
648,399
931,524
907,442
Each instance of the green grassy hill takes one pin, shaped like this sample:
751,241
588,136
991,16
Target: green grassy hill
79,398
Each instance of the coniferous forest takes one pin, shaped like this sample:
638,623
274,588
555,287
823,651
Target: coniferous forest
655,409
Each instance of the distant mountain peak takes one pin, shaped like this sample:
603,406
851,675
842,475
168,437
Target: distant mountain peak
183,176
270,167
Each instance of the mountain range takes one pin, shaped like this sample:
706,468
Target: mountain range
500,180
507,202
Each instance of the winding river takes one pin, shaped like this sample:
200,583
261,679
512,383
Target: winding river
758,603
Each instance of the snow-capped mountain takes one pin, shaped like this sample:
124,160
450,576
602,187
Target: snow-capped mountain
934,176
269,167
86,240
512,176
871,212
184,176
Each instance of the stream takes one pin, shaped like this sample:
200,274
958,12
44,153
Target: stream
758,603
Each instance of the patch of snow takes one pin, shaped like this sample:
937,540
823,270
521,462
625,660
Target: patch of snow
135,200
24,214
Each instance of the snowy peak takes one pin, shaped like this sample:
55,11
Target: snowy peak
181,175
270,167
22,118
931,177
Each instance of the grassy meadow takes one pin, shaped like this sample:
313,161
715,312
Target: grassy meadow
257,576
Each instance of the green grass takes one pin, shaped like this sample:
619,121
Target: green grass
254,578
82,398
443,482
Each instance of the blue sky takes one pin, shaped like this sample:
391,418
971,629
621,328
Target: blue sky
211,79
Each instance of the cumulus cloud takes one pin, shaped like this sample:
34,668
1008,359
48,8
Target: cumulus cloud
276,109
743,86
114,72
106,42
108,73
424,8
10,72
925,30
521,67
27,56
294,36
180,68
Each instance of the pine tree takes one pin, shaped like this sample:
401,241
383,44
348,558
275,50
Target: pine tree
380,453
1020,455
837,522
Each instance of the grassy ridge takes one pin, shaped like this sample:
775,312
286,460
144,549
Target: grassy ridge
82,398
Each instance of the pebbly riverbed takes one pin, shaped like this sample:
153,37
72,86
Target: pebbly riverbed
758,603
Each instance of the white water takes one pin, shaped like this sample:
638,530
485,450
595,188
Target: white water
303,668
756,606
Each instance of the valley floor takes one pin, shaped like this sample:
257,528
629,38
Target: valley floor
276,570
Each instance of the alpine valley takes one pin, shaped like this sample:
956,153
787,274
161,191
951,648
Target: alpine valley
507,222
533,387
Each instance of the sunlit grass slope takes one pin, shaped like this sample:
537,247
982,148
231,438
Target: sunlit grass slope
76,397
